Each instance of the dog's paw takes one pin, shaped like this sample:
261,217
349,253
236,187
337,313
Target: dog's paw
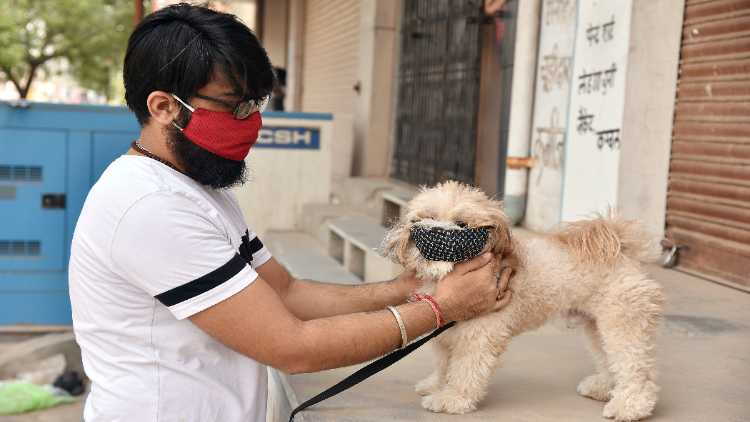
427,386
448,402
632,404
597,387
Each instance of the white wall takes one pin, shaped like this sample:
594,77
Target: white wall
522,105
275,21
283,179
651,82
552,92
377,76
595,111
634,178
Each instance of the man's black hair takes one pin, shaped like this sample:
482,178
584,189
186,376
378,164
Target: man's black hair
177,48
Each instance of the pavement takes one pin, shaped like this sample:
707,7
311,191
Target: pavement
64,413
703,356
21,349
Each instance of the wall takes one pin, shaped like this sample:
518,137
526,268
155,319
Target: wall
595,110
275,21
287,171
295,55
521,106
330,68
246,10
489,112
341,57
378,79
650,91
549,121
637,179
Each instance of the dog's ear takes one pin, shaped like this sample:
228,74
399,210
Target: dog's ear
503,244
503,241
395,243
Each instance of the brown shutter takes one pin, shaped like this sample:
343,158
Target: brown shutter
708,204
331,55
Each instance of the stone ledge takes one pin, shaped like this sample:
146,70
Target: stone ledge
304,258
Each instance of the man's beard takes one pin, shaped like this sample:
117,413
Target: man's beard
204,166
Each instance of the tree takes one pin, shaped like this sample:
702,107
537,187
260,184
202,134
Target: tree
90,35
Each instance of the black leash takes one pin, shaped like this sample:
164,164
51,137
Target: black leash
369,370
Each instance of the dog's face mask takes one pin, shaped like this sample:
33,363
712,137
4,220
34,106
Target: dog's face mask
449,245
446,224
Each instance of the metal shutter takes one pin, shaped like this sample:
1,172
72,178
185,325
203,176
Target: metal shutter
331,55
708,204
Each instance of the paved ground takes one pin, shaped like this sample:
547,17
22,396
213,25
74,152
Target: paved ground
703,352
704,357
63,413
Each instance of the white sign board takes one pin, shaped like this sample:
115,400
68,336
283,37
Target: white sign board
592,150
292,164
552,93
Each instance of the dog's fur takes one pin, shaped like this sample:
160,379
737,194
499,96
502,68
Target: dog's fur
590,270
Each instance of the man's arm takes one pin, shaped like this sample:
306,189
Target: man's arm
272,335
310,299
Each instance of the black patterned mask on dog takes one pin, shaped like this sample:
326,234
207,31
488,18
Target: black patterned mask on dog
449,245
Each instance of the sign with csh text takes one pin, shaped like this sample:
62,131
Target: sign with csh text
288,137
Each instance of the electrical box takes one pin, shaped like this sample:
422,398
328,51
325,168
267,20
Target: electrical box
50,156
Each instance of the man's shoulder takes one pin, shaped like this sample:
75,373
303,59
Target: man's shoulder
131,173
132,181
124,182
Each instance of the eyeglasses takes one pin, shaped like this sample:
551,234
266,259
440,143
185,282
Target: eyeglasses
240,110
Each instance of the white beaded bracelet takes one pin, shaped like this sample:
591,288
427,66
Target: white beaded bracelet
401,326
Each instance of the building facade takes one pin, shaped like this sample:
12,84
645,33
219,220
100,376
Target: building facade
564,108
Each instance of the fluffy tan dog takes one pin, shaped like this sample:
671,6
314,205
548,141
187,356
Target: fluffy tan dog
589,270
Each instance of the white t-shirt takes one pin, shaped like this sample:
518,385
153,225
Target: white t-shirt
151,248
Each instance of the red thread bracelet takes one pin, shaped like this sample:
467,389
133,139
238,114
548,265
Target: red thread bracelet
433,304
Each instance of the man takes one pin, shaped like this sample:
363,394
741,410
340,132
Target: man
177,305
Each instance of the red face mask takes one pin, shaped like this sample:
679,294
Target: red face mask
221,132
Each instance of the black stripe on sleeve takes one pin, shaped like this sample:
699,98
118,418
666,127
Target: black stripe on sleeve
255,245
203,284
250,247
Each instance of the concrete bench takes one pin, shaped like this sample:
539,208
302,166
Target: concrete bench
303,256
354,242
394,205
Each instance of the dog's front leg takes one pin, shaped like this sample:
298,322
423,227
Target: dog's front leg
471,363
436,380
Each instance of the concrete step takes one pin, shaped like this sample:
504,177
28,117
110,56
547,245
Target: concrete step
354,242
305,257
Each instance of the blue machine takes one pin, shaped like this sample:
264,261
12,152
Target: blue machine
50,156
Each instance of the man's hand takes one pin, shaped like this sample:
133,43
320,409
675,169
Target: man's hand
407,283
473,287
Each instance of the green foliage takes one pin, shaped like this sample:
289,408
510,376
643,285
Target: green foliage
90,35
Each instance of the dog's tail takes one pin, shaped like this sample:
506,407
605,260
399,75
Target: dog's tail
605,238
